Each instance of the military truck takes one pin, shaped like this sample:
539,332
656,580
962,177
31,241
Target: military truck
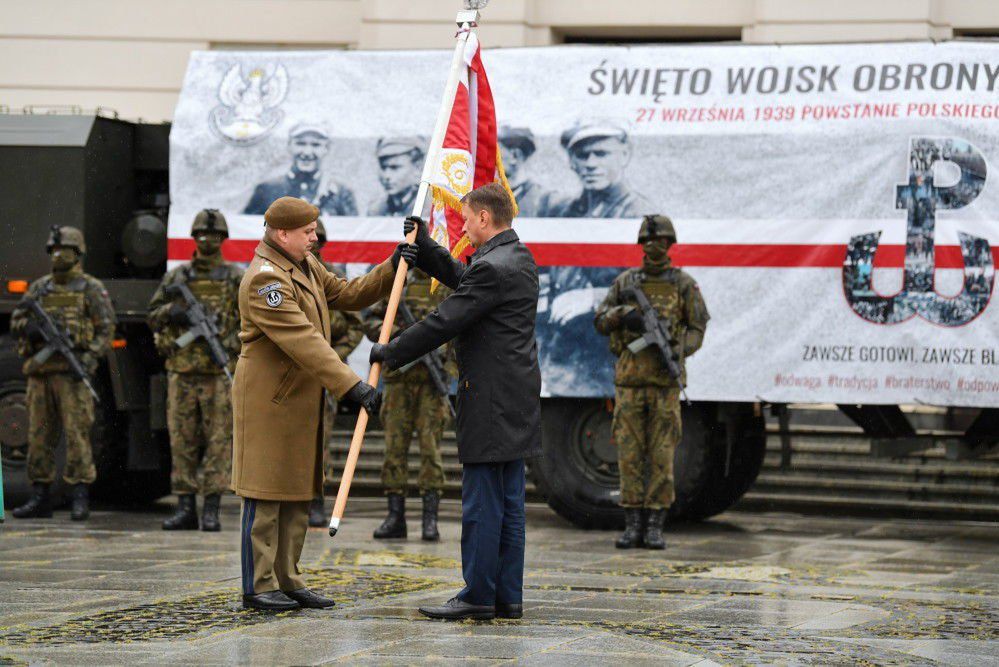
110,178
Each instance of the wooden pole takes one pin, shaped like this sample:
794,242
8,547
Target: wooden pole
466,22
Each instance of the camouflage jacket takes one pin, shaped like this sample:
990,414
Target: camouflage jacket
78,304
421,302
215,283
346,327
675,295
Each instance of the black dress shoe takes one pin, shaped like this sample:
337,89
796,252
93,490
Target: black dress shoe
509,610
307,598
456,610
269,601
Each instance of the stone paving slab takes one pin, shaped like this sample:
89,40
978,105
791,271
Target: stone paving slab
744,588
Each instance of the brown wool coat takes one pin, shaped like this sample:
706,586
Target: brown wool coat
285,362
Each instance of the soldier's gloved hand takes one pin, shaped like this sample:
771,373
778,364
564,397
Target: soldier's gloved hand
407,251
178,315
366,396
378,353
632,320
419,224
33,333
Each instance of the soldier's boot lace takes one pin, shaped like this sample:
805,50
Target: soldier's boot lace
186,516
210,513
654,530
317,513
39,506
431,502
394,525
81,503
632,535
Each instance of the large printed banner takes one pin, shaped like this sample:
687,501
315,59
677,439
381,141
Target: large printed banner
836,204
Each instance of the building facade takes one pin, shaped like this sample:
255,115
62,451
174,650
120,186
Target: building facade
130,56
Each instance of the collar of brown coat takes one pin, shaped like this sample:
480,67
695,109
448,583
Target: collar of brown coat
278,258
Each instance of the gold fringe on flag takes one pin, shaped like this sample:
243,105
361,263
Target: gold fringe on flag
502,179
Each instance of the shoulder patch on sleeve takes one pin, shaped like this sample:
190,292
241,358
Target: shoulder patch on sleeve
274,299
269,288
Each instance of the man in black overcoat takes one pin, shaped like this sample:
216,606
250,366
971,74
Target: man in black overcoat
491,314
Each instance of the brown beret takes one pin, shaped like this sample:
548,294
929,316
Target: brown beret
290,213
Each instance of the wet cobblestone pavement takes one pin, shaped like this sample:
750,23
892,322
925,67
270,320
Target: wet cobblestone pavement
745,588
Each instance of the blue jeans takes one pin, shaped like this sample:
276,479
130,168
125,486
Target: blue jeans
492,533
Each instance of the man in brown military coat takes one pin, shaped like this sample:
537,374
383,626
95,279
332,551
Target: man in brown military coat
285,363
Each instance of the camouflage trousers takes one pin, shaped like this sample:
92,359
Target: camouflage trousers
199,418
407,408
59,404
647,430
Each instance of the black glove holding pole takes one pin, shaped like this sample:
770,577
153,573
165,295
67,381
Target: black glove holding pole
366,396
420,225
407,251
377,354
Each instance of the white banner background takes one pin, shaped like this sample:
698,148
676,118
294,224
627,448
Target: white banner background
759,186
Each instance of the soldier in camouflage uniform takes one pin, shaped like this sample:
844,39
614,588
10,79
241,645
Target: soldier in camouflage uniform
647,410
411,402
199,410
346,332
57,400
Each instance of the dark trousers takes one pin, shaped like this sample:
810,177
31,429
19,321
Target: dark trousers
492,532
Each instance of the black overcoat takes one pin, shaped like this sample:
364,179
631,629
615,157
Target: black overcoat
491,314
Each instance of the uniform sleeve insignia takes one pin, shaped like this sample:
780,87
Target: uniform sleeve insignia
268,288
274,299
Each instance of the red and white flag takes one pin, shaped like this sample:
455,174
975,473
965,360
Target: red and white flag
470,155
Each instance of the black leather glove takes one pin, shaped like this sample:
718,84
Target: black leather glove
378,353
366,396
419,224
178,315
407,251
32,332
633,321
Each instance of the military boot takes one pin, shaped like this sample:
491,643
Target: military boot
631,538
394,524
186,516
39,506
80,510
654,530
317,513
210,513
431,501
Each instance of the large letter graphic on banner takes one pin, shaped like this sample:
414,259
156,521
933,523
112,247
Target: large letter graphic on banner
922,199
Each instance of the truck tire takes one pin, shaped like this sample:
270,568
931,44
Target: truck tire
717,461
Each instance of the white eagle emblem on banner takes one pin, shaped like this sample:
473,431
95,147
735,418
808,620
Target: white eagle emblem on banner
248,109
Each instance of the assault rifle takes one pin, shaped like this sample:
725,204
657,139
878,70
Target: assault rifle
432,360
655,333
202,326
56,341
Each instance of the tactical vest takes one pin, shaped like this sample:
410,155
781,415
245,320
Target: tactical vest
67,306
646,368
213,290
421,302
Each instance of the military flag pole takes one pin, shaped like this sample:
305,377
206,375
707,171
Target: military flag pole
467,21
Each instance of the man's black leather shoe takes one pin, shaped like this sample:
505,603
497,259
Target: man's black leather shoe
509,610
269,601
456,610
310,600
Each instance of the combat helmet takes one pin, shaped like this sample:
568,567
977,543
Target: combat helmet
656,226
210,220
66,237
